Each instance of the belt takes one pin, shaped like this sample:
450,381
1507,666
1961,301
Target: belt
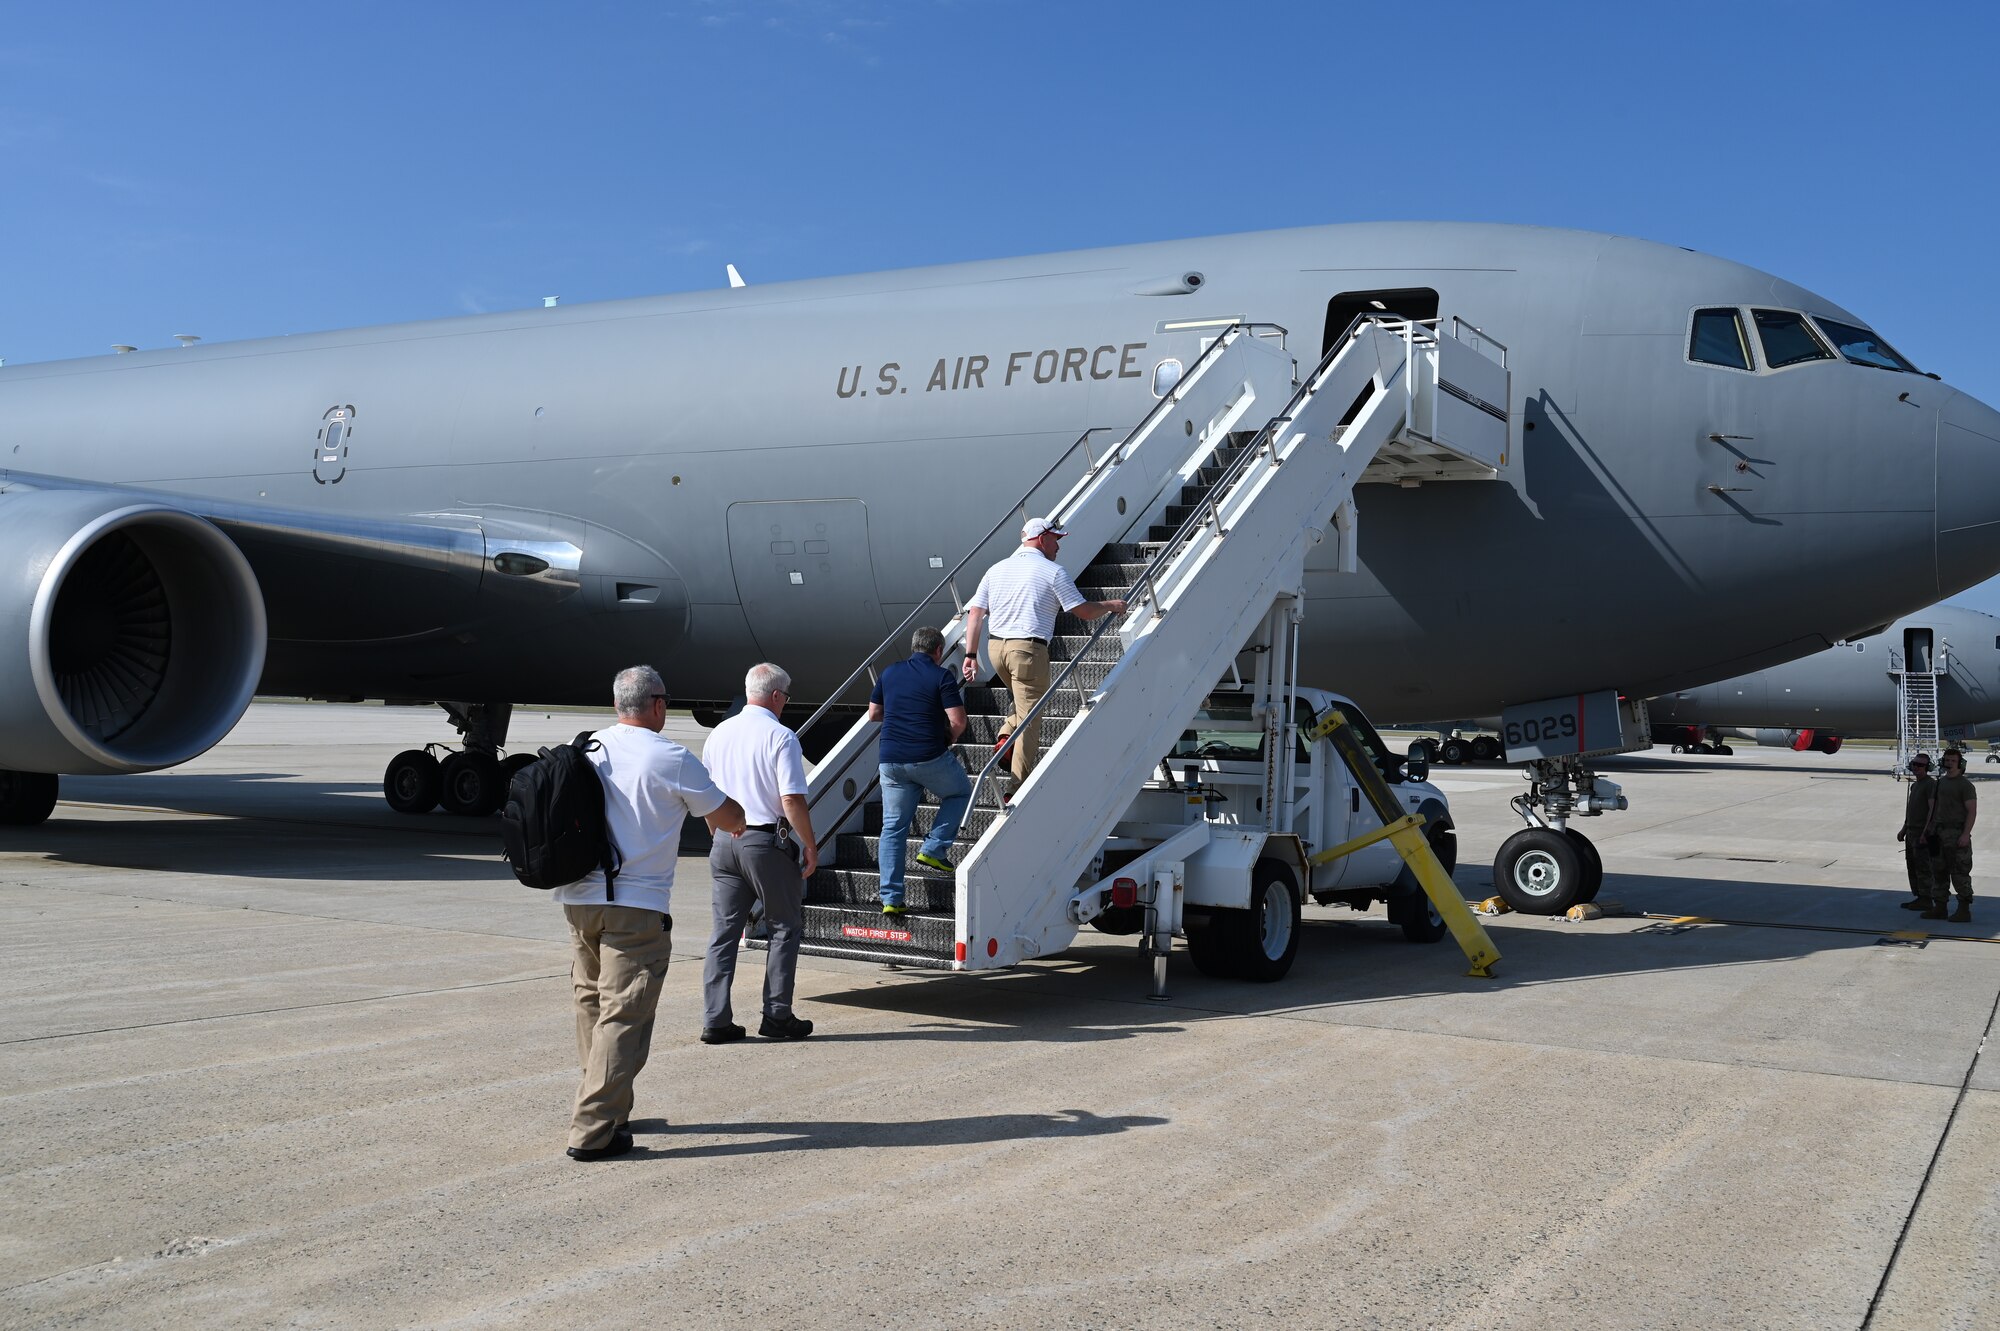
1027,638
760,827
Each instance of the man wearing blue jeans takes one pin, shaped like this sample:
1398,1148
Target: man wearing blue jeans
922,715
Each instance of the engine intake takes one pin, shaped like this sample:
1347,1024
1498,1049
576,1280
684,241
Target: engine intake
132,633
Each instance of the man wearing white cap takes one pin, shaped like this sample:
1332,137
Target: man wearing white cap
1023,595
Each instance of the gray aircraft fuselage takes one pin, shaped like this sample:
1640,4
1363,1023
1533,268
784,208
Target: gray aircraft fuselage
1848,688
778,472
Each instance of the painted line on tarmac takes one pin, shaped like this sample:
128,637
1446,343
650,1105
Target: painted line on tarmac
1818,928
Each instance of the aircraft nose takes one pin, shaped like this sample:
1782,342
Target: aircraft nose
1968,493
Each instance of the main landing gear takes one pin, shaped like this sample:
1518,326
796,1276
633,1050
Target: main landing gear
470,781
1548,866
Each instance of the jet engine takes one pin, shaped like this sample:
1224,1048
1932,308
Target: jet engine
131,633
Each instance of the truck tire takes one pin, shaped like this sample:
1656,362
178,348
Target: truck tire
1417,917
1593,864
1538,871
1258,944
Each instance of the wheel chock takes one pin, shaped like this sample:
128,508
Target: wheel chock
1492,906
1596,910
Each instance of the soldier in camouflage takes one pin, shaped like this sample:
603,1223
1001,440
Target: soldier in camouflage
1954,809
1916,847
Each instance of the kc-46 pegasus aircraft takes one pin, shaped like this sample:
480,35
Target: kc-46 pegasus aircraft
1707,470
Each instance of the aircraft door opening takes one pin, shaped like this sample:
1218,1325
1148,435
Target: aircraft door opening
1344,309
1917,650
806,581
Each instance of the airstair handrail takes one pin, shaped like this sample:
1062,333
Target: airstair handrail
1202,514
1110,457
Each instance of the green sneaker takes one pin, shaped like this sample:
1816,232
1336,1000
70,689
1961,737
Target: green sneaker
933,862
898,909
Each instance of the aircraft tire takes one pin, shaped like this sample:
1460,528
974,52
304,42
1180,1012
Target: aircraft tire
470,785
1485,748
412,782
1723,750
27,798
1453,752
1538,871
510,766
1593,864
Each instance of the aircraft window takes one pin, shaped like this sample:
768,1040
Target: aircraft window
1787,339
1862,347
1718,339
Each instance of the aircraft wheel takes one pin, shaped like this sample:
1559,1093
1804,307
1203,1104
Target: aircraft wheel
1538,871
1485,748
1593,864
1708,749
1723,750
27,798
510,766
411,782
471,785
1679,748
1453,752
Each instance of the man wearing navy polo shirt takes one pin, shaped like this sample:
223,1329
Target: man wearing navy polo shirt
922,715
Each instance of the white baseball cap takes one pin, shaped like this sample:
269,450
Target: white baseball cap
1042,527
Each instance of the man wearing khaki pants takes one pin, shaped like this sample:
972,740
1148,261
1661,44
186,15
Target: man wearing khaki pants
1023,595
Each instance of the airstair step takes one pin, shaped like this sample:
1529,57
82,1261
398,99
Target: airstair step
919,933
861,886
861,852
1128,552
977,819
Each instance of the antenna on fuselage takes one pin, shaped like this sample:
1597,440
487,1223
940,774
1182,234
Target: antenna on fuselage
735,278
187,339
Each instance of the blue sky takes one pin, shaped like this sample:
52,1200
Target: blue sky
240,170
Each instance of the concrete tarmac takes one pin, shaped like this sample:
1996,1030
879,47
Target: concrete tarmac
271,1055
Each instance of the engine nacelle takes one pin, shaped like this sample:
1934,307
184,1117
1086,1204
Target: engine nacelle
132,633
1822,741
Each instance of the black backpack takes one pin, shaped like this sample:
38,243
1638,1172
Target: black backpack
552,828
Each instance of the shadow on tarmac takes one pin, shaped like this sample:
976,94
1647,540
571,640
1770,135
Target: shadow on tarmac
822,1135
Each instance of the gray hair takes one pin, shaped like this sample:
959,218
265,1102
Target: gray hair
926,640
765,680
632,692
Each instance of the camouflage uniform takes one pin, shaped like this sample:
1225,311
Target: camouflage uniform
1917,854
1953,862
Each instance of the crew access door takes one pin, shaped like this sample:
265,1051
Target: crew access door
806,581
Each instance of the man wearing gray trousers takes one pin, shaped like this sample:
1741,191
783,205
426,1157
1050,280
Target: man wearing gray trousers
757,762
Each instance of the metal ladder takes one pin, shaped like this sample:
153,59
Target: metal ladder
1227,515
1917,727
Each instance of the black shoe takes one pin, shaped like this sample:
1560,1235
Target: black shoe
620,1144
1918,904
722,1034
1934,913
1963,915
787,1027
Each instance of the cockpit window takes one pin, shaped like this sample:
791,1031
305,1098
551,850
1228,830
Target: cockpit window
1718,339
1862,347
1787,339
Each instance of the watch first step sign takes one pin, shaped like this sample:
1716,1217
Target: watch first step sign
1579,725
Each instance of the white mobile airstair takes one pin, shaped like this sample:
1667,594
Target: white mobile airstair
1917,726
1201,518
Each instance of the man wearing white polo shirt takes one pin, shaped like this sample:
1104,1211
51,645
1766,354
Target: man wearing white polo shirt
757,762
620,939
1022,595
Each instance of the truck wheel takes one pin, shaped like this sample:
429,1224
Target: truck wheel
1257,944
1485,748
1417,916
26,798
1538,871
1453,752
412,782
1593,864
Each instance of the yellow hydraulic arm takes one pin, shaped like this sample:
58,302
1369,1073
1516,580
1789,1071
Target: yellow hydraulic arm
1405,832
